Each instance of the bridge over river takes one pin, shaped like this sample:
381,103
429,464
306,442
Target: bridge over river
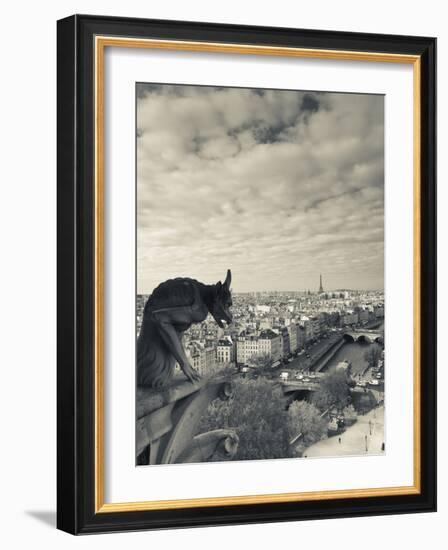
297,390
368,336
295,386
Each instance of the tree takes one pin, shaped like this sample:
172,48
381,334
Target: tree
224,369
350,414
372,355
304,418
262,361
334,391
366,402
257,411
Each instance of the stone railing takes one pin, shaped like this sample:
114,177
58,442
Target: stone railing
167,421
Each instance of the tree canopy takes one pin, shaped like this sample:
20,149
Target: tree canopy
262,361
304,418
372,355
258,412
334,391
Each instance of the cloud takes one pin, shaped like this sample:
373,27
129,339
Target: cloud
277,185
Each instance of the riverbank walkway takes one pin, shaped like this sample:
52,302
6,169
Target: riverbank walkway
365,437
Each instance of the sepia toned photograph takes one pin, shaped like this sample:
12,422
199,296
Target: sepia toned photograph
260,274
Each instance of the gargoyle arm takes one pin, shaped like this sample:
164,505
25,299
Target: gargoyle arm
165,318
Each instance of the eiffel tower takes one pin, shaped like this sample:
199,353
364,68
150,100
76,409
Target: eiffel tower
321,288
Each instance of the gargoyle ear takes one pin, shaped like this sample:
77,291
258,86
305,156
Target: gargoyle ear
228,279
218,287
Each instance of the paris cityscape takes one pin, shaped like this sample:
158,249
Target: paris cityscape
294,340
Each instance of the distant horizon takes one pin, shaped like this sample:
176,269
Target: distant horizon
325,291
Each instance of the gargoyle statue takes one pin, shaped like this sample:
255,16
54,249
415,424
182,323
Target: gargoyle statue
171,309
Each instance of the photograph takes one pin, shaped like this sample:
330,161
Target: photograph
260,305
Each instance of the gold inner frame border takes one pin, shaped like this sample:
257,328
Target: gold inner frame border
100,43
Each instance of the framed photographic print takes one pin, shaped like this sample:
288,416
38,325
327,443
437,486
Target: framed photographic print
246,274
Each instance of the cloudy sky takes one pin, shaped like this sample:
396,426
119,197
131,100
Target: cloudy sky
277,185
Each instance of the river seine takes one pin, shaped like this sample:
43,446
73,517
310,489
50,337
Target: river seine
353,352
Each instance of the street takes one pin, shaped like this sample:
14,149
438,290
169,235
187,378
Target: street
302,362
365,437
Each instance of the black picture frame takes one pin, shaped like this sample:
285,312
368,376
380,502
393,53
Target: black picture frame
76,512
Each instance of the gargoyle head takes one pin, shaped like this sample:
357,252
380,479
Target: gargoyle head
222,302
